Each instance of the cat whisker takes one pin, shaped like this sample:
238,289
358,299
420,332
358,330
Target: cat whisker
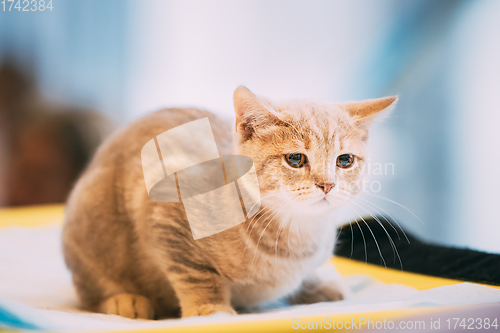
267,212
396,203
277,239
391,241
288,240
395,220
389,222
349,195
262,233
376,211
260,200
262,209
288,217
364,240
374,238
376,214
278,233
352,241
338,234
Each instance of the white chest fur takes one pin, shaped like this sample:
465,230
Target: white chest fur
275,277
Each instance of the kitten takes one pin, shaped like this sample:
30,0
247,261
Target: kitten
135,257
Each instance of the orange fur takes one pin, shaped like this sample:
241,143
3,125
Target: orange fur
131,253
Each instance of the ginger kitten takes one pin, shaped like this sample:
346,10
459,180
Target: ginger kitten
137,258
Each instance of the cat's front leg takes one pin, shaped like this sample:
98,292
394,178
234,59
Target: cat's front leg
315,290
201,290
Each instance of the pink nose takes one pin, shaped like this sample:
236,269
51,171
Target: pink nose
325,187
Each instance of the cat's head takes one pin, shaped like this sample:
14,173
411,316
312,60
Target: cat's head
308,155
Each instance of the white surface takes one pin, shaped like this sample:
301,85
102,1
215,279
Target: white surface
36,286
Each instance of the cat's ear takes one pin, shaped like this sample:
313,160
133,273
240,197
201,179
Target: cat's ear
367,111
251,112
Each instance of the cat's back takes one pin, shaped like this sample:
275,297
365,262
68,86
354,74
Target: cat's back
126,144
113,187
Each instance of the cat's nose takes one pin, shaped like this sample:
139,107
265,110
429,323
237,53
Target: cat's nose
325,187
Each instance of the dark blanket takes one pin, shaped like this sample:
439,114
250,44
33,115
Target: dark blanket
415,256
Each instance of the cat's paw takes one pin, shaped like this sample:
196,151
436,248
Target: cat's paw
207,309
324,293
129,306
318,292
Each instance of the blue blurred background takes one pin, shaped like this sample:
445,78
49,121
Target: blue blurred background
125,58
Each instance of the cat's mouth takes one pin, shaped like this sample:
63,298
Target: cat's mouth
322,202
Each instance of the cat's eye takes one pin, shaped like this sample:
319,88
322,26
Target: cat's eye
296,160
344,161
